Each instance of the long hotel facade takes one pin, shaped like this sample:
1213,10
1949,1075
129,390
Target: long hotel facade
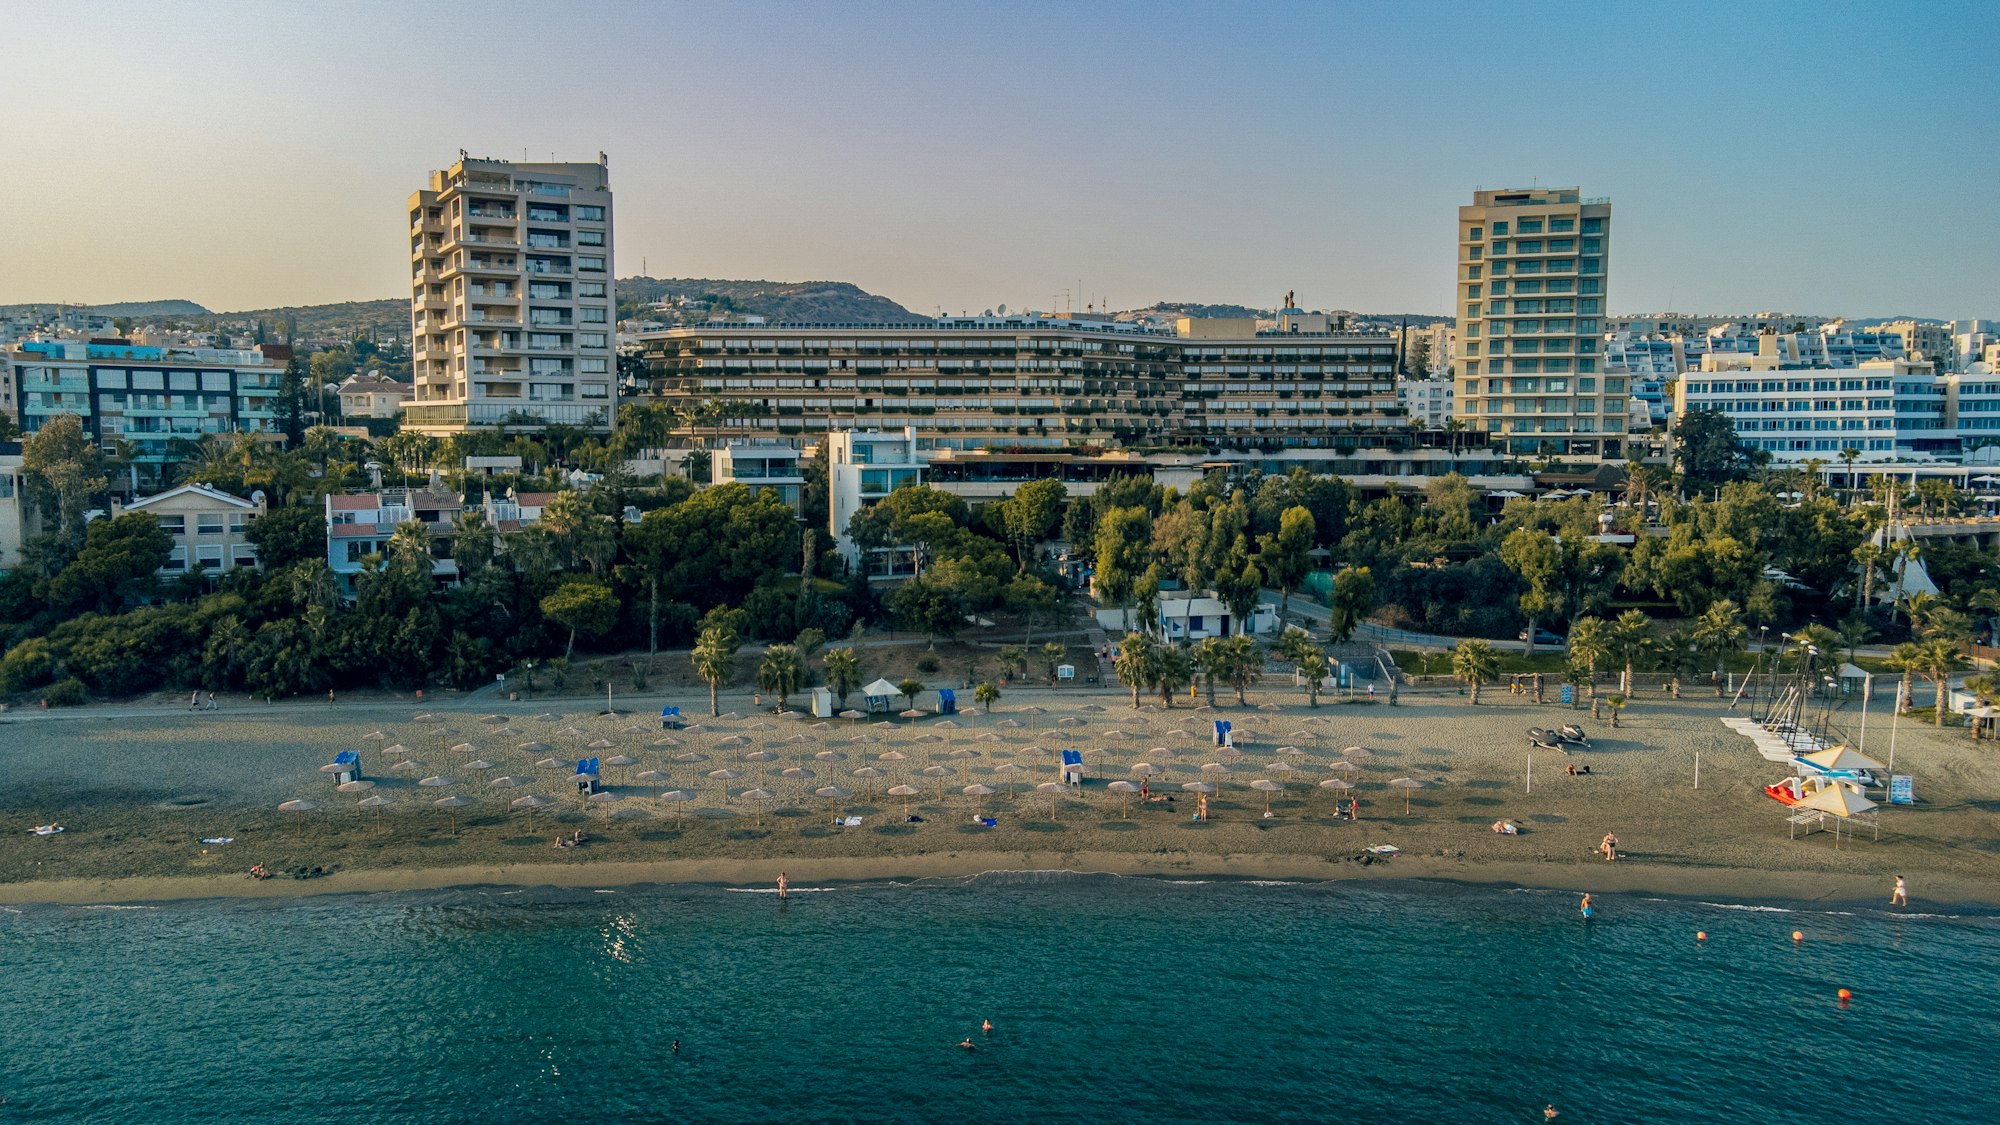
1039,382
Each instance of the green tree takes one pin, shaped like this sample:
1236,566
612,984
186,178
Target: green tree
1245,665
1630,638
120,557
1707,452
928,605
1352,599
1124,551
1172,669
843,672
1237,582
1941,656
1719,633
1312,662
1052,655
65,470
1212,659
908,687
1907,658
284,536
1286,554
987,695
1030,515
781,672
291,402
1474,664
1013,658
581,606
225,652
715,660
1134,663
1036,601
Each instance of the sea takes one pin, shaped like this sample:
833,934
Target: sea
1111,999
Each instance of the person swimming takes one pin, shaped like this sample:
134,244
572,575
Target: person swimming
986,1027
969,1045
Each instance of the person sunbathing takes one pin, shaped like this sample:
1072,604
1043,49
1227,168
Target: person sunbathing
1506,828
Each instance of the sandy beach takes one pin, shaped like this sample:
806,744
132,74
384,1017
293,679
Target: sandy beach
139,788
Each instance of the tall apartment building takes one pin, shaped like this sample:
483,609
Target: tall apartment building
151,398
511,303
1038,382
1532,278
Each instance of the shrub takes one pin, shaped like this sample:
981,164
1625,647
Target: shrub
66,693
927,664
27,665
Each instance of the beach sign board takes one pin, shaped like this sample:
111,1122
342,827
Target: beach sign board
1901,791
1569,693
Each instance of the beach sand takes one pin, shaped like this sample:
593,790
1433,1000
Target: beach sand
138,788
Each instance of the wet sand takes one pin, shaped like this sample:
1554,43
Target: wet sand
138,788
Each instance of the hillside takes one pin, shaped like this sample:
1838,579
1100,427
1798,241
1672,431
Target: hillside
786,302
119,308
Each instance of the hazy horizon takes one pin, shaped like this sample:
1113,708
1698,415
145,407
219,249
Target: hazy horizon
1759,157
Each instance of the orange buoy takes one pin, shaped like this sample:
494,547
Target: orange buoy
1798,935
1701,935
1845,995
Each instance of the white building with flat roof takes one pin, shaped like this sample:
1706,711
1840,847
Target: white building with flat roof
864,466
765,466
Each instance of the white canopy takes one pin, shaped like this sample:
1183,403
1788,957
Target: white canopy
880,687
1841,758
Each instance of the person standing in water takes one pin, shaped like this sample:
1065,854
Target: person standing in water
1900,896
783,885
1586,907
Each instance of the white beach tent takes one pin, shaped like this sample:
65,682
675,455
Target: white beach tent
879,696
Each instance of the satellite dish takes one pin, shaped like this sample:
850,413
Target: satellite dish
1003,310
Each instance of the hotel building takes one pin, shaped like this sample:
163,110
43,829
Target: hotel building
1532,277
511,303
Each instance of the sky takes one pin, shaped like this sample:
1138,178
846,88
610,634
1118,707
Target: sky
1834,159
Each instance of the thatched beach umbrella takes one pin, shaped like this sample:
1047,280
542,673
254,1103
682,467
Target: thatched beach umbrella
1408,785
398,748
664,743
929,739
1267,787
912,713
407,765
1069,721
852,714
905,792
962,754
830,756
833,793
729,716
690,757
531,803
940,773
605,798
1336,786
1055,790
1010,769
978,793
298,809
724,776
890,756
377,802
506,781
651,777
552,764
1215,770
679,799
423,717
480,764
1197,787
732,740
376,736
465,748
799,773
602,744
436,782
508,732
533,748
761,725
945,725
361,786
493,720
1124,789
869,774
1092,707
451,805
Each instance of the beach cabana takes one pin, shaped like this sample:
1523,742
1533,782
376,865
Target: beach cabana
349,767
947,702
1224,732
670,718
822,703
586,777
1072,767
1840,804
879,697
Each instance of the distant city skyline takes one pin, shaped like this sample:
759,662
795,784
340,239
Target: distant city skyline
1773,156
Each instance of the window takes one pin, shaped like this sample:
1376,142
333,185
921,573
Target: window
590,265
1472,273
1558,226
590,340
1474,234
1472,312
208,525
1593,226
1530,226
589,213
173,525
591,366
590,238
590,289
593,390
1472,292
210,557
1593,246
1500,228
591,314
1499,248
1531,246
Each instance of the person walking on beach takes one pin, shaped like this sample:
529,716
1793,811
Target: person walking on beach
783,885
1901,895
194,702
209,703
1609,847
1201,807
329,697
1353,809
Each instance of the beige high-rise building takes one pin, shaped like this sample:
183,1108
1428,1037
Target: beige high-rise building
1533,266
512,310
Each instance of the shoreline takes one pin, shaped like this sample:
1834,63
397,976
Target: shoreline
1694,883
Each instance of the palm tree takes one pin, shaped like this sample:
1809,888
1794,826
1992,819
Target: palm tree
1589,642
1848,456
1630,636
1052,656
1312,662
1135,663
987,695
1866,556
1011,658
1987,599
1906,658
1474,664
1720,632
410,544
1172,670
1246,664
1941,657
715,660
1212,657
781,671
1987,688
843,672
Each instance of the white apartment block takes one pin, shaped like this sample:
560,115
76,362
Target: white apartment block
512,308
862,468
764,466
1428,401
1532,277
1882,408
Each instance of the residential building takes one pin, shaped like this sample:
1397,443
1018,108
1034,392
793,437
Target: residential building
1427,402
359,526
372,396
1924,340
209,527
147,397
512,305
862,468
1884,408
766,466
1533,275
18,518
1972,406
1037,381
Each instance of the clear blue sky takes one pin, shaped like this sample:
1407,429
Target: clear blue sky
1836,159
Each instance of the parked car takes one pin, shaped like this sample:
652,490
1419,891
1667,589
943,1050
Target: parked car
1542,637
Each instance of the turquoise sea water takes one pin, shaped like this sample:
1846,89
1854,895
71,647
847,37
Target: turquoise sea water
1112,1000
